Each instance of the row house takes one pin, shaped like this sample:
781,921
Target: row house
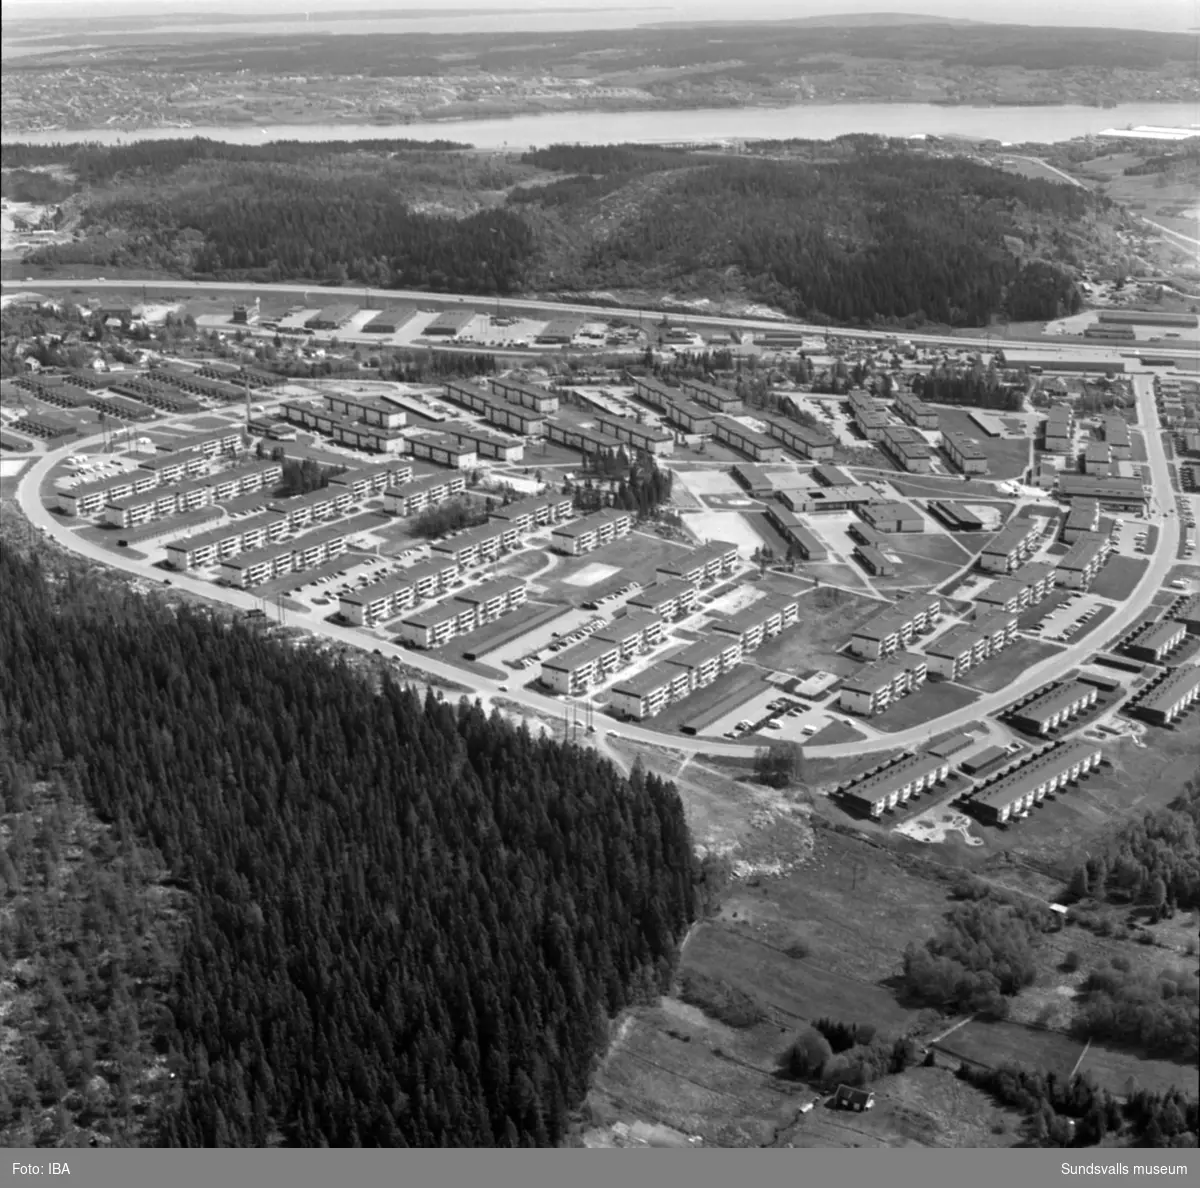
650,438
633,633
702,565
964,452
1156,641
1170,697
1016,792
591,532
1054,708
896,626
222,441
755,445
874,687
526,395
894,784
203,549
414,496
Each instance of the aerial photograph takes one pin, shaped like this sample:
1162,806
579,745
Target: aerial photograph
595,576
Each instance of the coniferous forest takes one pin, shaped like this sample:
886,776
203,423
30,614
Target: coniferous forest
407,923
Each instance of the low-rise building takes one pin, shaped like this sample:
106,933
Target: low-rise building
1123,493
650,438
323,504
633,633
755,445
893,517
806,440
964,452
906,448
722,400
817,500
484,442
1096,459
689,415
365,481
1116,434
956,516
444,450
1079,565
1053,708
915,411
475,546
591,532
707,659
370,410
666,599
1016,792
894,784
1156,641
1027,587
1168,698
576,669
896,626
954,653
414,496
494,598
875,686
517,391
795,530
832,476
203,549
589,442
760,621
384,600
436,625
1058,429
701,566
650,691
874,561
868,415
1010,548
654,392
527,515
1082,519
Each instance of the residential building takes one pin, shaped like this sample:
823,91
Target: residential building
964,452
435,625
874,687
365,481
807,441
1011,547
667,600
526,515
203,549
586,441
576,669
414,496
707,563
760,621
485,443
1027,587
390,597
651,438
906,448
1083,519
1123,493
518,392
954,653
1156,641
494,598
894,784
1164,701
757,446
1053,708
176,465
475,546
223,441
1187,612
707,659
893,517
795,530
896,626
1078,567
370,410
1058,430
91,497
721,400
689,415
300,510
1015,793
650,691
654,392
634,633
1096,459
867,413
915,411
591,532
444,450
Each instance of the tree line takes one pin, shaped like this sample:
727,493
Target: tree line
408,922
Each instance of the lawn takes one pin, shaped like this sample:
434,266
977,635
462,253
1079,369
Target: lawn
1119,577
936,546
931,701
917,572
827,619
1003,669
932,487
634,558
505,629
1008,457
832,574
836,732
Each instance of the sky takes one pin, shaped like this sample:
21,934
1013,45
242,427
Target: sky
1167,15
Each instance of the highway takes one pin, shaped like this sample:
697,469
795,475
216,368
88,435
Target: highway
324,295
490,691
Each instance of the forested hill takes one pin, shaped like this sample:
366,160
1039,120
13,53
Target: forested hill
860,231
409,922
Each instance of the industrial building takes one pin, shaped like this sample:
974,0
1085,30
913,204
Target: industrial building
1054,708
525,395
1079,565
875,686
797,533
414,496
667,599
560,332
707,563
894,784
955,516
1037,361
591,532
1148,317
896,626
1010,548
332,317
755,445
451,323
906,448
915,411
391,320
1164,701
1015,793
953,654
1156,641
721,400
650,438
893,517
964,452
384,600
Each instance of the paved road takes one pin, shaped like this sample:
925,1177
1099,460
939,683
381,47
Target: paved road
489,690
549,309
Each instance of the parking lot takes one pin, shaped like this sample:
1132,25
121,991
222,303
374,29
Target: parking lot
773,715
1069,618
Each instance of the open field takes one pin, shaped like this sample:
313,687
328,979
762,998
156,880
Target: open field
634,558
1119,577
916,572
931,701
827,618
1008,457
932,487
936,546
1003,669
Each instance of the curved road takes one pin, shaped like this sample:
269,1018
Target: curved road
549,309
489,691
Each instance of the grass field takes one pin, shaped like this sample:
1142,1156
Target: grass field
936,546
924,487
1119,577
917,572
836,732
931,701
827,618
1008,457
635,557
1003,669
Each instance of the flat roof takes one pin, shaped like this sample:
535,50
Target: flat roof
873,677
589,522
1083,551
1010,537
531,506
578,654
756,614
700,652
660,592
648,680
630,624
500,587
892,508
438,612
426,482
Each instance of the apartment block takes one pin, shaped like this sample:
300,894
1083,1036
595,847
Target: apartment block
896,626
760,447
649,692
652,439
203,549
1079,565
493,599
591,532
1027,587
812,443
701,566
324,504
707,659
475,546
655,393
762,620
586,441
443,450
1168,698
414,496
633,633
576,669
485,443
721,400
526,515
964,452
1082,519
1096,459
1116,434
370,410
1156,641
386,599
906,448
875,686
438,624
526,395
957,651
365,481
916,412
667,600
176,465
1010,548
